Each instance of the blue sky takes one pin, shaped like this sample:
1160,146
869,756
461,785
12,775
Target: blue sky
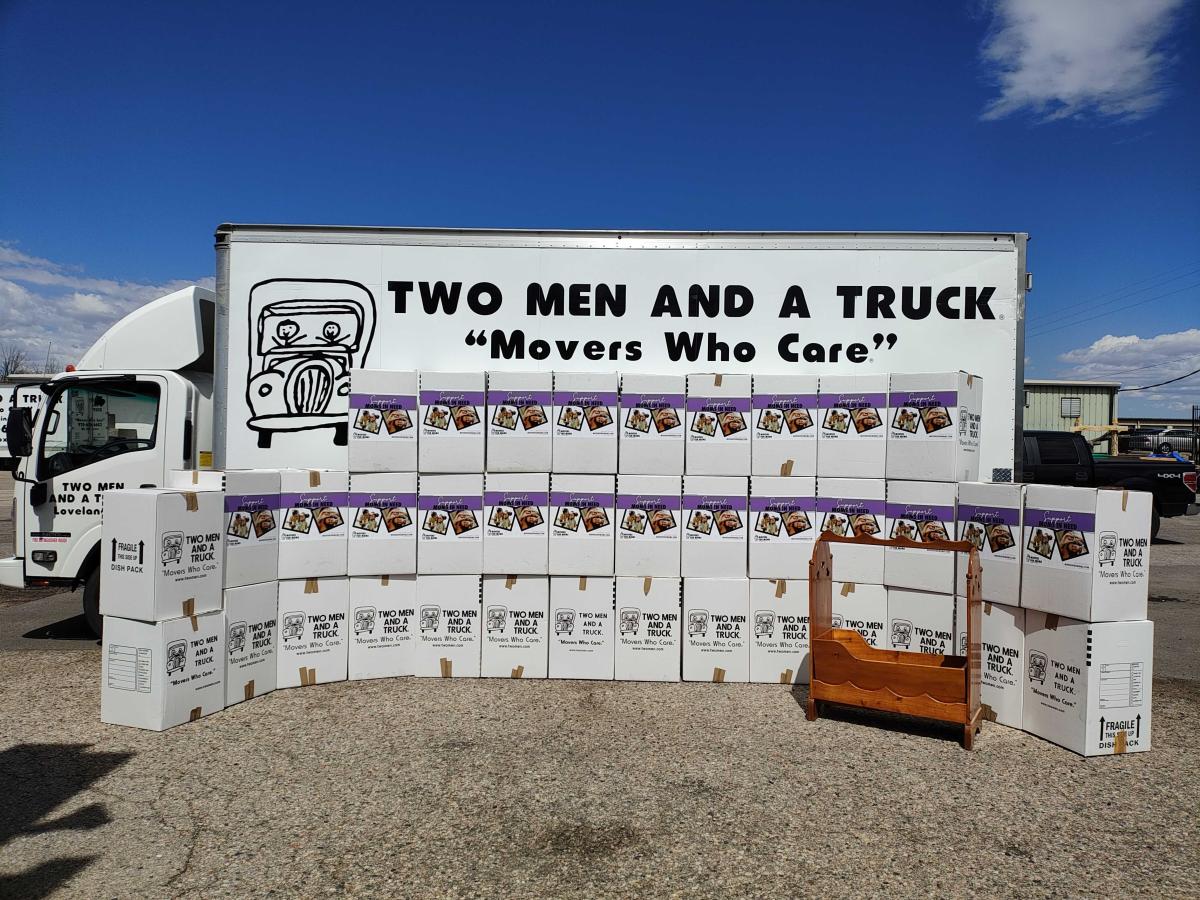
131,130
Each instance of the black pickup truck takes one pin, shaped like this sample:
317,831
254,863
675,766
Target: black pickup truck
1057,457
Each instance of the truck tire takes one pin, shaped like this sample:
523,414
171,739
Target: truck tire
1154,523
91,603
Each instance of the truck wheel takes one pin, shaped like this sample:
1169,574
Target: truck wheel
264,440
91,603
1154,523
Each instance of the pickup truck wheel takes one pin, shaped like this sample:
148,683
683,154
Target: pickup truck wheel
91,603
1154,523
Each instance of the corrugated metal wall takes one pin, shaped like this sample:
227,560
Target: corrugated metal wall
1043,406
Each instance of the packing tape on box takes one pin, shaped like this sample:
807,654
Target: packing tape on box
970,379
248,690
786,468
447,667
718,675
311,586
195,620
189,606
717,380
646,582
987,607
195,476
196,713
308,676
785,677
847,588
1052,621
583,582
987,712
510,582
780,587
383,580
518,672
1124,500
314,478
190,501
1119,741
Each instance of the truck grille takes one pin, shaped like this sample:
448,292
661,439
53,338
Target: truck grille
310,388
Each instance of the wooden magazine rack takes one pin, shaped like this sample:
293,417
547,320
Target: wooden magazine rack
845,669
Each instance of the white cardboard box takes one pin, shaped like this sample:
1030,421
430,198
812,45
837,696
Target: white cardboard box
921,511
779,646
519,430
649,612
585,422
516,531
157,675
251,640
312,631
1086,552
989,516
582,643
921,622
451,424
653,410
1088,685
649,524
313,536
718,426
383,625
1002,648
853,506
715,513
862,607
582,524
516,612
161,553
450,508
933,426
783,525
447,639
853,437
383,421
383,523
784,409
717,641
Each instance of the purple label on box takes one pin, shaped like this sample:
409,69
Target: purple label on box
383,402
452,398
250,503
516,498
713,502
312,500
784,401
852,401
989,515
383,500
1057,520
450,503
782,504
718,404
649,502
652,401
850,506
519,398
920,512
583,501
924,399
585,398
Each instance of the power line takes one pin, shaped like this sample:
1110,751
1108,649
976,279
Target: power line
1165,362
1121,291
1117,310
1147,387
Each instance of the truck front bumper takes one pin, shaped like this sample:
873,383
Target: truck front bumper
12,572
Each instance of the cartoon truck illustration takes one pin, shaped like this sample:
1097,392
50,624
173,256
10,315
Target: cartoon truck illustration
293,626
564,622
364,620
237,637
1107,554
1037,666
176,656
496,617
430,616
698,622
901,633
836,621
630,621
764,624
172,548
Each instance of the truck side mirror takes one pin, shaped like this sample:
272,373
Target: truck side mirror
18,432
39,493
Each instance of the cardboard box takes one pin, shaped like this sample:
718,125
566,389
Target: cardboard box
383,625
156,675
516,531
784,409
383,523
582,524
581,636
1088,685
315,513
312,631
649,524
1086,552
921,511
783,525
779,642
451,430
649,612
853,437
715,512
383,421
921,622
653,411
852,506
717,642
160,553
989,516
519,431
934,422
450,508
516,610
447,639
862,607
251,640
1002,648
585,422
718,425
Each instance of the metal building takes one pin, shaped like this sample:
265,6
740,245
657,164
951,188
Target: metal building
1062,405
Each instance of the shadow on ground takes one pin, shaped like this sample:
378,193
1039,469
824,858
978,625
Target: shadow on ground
72,629
875,718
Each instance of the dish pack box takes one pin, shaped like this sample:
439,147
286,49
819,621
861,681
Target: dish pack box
156,675
850,507
784,409
933,426
717,642
383,625
649,524
312,631
1086,552
383,421
783,525
251,525
1088,685
921,511
779,642
450,508
862,607
383,523
989,516
1002,652
519,433
451,422
582,628
448,627
585,422
251,640
516,531
160,553
649,612
852,433
921,622
718,427
715,511
516,612
653,410
315,508
582,517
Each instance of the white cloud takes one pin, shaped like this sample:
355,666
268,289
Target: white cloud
1135,361
1074,58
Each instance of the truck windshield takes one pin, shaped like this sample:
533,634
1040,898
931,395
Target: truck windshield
92,421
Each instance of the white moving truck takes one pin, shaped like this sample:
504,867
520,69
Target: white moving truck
256,375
